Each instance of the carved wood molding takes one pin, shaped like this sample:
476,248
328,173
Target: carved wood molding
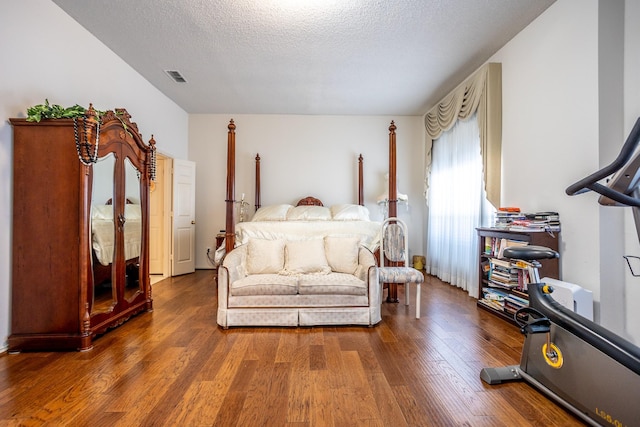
310,201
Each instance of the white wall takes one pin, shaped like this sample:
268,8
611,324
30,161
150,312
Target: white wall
550,127
555,132
304,156
46,54
631,115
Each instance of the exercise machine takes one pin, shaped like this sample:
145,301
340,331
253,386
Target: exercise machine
586,368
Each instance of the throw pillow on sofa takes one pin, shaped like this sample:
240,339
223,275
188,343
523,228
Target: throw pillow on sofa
265,256
305,256
342,253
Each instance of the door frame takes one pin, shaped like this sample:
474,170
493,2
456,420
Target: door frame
167,193
167,249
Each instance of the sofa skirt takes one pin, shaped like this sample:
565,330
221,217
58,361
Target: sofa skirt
331,316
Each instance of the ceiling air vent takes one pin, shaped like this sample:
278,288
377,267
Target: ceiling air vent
176,76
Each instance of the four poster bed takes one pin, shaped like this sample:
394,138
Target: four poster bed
301,265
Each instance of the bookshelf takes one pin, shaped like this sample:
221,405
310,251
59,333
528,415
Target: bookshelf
490,241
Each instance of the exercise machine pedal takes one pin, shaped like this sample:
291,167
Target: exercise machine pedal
501,374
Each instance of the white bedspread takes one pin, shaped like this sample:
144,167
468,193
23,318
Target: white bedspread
102,233
307,222
102,239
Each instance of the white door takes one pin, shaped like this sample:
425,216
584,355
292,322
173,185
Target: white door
184,217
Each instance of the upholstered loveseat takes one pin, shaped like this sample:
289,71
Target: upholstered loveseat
317,281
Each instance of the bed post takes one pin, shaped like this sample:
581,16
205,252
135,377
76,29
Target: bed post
392,291
360,182
257,204
230,232
393,188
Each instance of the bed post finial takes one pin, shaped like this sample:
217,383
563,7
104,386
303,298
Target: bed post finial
392,127
232,126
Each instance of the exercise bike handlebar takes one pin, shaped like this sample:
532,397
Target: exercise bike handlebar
591,182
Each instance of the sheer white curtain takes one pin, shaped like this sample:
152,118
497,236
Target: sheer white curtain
456,206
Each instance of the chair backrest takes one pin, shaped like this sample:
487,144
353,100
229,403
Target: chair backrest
394,242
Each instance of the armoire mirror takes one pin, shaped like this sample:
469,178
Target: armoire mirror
103,235
132,230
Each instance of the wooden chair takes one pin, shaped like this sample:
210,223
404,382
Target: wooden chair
394,246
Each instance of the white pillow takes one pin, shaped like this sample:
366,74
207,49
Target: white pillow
309,213
349,213
272,213
265,256
305,256
342,253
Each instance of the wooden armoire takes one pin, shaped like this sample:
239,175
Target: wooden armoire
80,237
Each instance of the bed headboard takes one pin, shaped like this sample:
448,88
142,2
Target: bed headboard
309,201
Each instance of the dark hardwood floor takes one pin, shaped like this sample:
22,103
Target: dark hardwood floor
175,367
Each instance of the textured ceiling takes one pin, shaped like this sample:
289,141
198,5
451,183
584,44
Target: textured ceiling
342,57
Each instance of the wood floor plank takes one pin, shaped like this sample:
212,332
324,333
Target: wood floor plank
196,407
174,366
415,413
387,356
335,368
275,412
321,407
388,406
344,404
361,395
229,410
317,358
207,406
299,396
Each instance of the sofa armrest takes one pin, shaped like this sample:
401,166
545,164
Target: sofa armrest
375,295
368,271
223,287
235,263
231,269
365,260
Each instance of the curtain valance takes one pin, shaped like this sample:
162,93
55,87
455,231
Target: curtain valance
482,92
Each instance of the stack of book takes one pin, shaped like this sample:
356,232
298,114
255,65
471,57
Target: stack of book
510,274
503,274
525,274
505,216
508,302
514,220
495,246
493,298
549,220
513,303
